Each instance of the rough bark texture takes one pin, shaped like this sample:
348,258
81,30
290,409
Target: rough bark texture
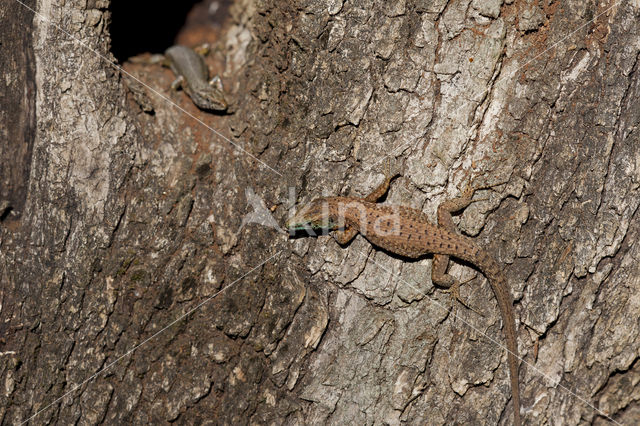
128,220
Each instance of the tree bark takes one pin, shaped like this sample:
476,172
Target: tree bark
139,283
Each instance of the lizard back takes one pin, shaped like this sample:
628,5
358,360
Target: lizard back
401,230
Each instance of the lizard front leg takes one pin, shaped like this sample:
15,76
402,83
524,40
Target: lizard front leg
344,236
178,83
381,189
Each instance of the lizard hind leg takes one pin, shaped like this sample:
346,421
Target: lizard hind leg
448,207
440,278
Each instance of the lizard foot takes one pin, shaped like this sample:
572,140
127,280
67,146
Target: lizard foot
454,292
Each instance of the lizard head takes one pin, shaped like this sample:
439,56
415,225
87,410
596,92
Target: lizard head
209,98
314,216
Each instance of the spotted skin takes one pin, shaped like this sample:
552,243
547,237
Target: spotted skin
408,232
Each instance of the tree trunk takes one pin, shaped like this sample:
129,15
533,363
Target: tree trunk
140,284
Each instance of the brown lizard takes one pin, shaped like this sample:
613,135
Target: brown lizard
408,232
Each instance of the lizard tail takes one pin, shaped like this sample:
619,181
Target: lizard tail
502,292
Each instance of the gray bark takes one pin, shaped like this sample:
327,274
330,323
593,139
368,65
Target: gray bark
120,227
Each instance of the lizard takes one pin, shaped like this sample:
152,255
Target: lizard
192,74
408,232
